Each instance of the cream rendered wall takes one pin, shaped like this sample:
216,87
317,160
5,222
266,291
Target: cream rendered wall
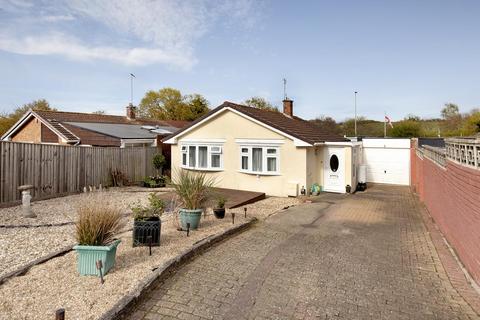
230,126
315,157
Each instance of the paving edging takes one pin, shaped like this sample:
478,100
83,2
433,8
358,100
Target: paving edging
458,276
24,269
125,304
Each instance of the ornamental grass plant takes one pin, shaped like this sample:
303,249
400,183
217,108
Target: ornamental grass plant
193,189
97,223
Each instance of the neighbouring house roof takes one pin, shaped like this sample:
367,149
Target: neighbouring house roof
125,131
294,126
76,127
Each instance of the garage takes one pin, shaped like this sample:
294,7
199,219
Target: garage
387,160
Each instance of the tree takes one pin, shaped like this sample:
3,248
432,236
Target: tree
365,127
101,112
412,117
198,105
471,124
8,120
170,104
327,123
260,103
450,110
406,129
453,119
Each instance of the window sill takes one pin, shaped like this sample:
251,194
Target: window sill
254,173
202,169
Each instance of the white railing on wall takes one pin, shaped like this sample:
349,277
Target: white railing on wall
435,154
465,151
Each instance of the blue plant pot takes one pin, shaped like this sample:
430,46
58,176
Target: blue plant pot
87,256
190,216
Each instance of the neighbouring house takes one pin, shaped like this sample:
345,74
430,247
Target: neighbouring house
277,153
90,129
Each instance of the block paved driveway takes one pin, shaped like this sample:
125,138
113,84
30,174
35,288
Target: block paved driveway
362,256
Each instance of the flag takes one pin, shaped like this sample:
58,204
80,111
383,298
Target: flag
387,120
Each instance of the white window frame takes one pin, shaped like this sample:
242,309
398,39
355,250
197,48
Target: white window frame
212,149
265,157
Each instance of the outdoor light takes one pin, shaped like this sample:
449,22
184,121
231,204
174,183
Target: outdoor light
188,229
99,265
149,240
245,209
233,217
60,314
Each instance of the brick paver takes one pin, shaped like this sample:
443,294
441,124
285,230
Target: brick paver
362,256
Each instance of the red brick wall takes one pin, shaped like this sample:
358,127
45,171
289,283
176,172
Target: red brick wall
452,197
48,135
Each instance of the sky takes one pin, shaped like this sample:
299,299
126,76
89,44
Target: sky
403,57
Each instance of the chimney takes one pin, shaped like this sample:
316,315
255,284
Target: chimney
131,112
288,107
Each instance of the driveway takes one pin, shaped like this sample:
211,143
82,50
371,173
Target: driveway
361,256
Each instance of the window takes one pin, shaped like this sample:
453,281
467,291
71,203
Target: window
334,163
184,155
259,159
244,154
202,157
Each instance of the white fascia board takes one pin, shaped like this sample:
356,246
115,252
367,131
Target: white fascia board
297,142
17,125
26,117
137,140
345,143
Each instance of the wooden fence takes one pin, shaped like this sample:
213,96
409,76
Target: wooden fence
56,170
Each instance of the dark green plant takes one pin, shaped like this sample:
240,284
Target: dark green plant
221,202
158,162
193,189
155,208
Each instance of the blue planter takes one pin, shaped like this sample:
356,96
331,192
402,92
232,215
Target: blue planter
190,216
87,256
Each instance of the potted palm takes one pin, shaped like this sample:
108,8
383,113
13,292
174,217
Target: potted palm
96,228
147,224
193,189
219,211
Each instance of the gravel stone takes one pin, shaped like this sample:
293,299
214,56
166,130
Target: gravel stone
56,284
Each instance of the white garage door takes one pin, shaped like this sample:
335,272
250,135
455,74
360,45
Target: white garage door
387,160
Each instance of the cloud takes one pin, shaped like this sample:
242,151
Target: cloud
131,32
59,44
57,18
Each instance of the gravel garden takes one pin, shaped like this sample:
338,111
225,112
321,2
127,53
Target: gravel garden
61,223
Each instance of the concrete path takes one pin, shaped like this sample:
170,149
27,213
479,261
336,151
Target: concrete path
362,256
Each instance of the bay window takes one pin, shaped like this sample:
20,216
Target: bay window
259,159
202,157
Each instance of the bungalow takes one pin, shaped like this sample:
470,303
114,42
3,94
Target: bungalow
89,129
277,153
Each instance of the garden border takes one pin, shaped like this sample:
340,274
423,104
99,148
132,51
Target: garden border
126,304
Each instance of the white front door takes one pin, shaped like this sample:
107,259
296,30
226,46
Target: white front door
334,169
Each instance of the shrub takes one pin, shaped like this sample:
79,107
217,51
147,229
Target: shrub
221,202
154,209
97,223
193,189
158,161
